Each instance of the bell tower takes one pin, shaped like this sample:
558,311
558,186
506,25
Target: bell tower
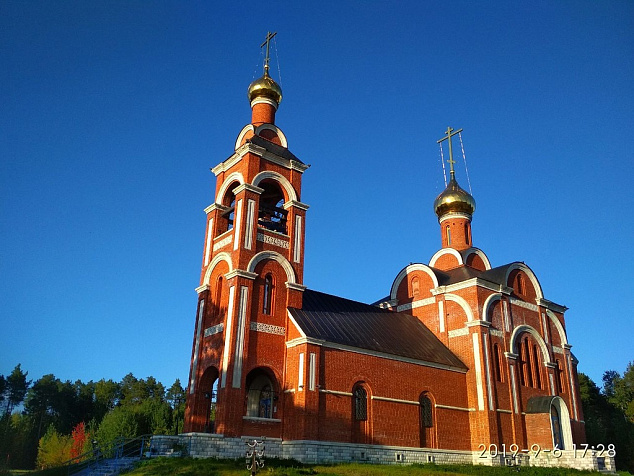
252,270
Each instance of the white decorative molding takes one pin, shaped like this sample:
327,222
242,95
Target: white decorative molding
496,332
480,253
272,240
557,349
335,392
217,329
525,305
560,328
394,400
245,130
416,304
458,332
538,338
300,377
551,305
222,243
478,323
507,317
441,315
208,241
295,203
312,371
513,389
511,355
445,251
466,284
451,407
216,206
296,287
241,274
453,215
278,132
227,345
478,371
267,328
408,269
249,187
501,410
248,234
275,256
297,242
202,289
545,327
283,181
222,256
199,326
229,180
462,303
531,276
232,160
487,370
488,302
264,100
237,224
239,355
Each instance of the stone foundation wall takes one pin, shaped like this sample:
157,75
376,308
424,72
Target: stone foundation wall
206,445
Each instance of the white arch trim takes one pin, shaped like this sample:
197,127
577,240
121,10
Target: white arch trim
446,251
246,129
223,256
283,181
531,330
558,326
233,177
564,421
273,255
480,253
529,273
408,269
488,303
274,128
462,303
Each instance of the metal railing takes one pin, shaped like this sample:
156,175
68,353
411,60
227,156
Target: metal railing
115,450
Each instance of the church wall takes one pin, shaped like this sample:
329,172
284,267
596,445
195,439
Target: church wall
389,380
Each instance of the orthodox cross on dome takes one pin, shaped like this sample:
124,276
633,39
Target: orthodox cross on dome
450,133
269,37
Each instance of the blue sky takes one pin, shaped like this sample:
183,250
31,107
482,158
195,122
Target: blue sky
113,112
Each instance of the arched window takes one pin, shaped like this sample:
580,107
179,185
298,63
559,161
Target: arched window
272,214
415,287
360,404
218,299
267,303
448,231
260,396
466,233
521,285
426,421
526,376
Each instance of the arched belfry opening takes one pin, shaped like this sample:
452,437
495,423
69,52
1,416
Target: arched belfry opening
271,214
227,217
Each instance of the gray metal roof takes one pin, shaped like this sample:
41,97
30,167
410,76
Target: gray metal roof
351,323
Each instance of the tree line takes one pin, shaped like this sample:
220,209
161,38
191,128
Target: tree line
47,422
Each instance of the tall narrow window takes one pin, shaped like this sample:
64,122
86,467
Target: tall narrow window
360,404
537,379
466,233
559,377
415,287
448,231
426,419
268,295
497,364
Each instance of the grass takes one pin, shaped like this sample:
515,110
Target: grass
274,467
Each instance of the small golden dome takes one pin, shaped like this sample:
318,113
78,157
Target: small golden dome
265,87
454,200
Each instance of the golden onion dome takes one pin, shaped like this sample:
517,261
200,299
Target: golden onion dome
265,87
454,200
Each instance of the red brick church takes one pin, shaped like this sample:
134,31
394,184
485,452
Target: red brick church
461,360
